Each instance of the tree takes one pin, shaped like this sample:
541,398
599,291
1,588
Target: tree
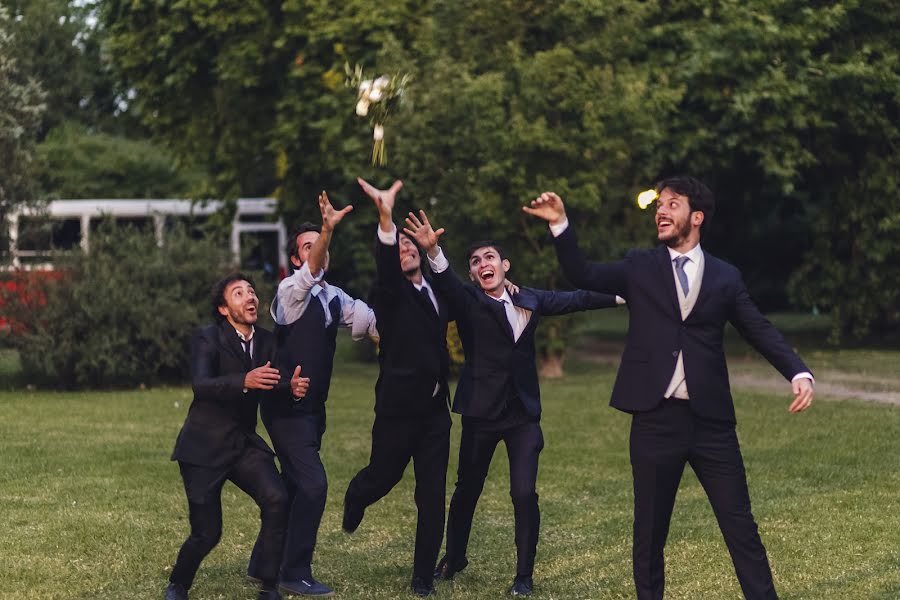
21,108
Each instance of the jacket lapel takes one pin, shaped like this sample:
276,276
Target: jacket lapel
668,279
230,342
527,302
496,309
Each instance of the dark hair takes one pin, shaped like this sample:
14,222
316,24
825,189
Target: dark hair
292,249
484,244
217,295
700,198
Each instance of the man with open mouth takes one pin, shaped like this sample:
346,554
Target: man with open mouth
498,394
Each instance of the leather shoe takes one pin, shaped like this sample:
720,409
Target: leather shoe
522,586
176,591
446,568
422,588
306,587
269,595
353,515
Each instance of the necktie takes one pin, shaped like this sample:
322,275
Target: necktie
682,276
247,356
426,300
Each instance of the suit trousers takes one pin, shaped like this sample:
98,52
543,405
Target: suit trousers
663,440
524,441
254,472
297,439
396,440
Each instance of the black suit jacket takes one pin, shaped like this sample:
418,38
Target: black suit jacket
221,421
413,345
497,367
656,331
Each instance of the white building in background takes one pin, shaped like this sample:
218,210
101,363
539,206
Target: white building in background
258,235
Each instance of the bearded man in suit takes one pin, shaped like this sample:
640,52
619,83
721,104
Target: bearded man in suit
673,378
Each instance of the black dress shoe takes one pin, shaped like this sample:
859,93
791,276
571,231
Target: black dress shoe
268,595
522,586
447,568
353,515
176,591
422,588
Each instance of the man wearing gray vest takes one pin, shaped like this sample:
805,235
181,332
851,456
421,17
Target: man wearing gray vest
673,378
307,313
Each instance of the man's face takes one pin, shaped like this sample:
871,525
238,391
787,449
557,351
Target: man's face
241,303
674,219
305,243
410,261
487,269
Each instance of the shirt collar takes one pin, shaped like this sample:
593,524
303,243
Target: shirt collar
505,297
693,254
249,338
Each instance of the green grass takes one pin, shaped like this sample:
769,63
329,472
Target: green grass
92,507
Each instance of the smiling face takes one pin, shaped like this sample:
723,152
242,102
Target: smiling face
240,305
676,225
410,260
488,270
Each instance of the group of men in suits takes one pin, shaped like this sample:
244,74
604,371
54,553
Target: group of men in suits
672,379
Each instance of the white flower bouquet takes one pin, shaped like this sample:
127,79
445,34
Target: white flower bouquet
376,99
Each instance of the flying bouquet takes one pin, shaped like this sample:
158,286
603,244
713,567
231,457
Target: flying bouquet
376,99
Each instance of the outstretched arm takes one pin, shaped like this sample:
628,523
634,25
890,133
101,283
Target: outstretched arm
601,277
561,303
318,254
384,201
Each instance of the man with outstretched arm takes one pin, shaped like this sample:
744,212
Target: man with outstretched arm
231,370
498,394
307,313
412,420
673,378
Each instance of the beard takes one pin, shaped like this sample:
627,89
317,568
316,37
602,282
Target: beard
681,231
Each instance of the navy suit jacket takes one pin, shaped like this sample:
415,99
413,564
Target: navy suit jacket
498,368
656,331
412,350
221,421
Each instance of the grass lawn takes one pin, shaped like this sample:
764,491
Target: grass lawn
92,507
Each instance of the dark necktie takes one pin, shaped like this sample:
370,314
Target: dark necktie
426,300
682,276
248,358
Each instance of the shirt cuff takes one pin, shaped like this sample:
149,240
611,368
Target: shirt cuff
439,263
803,375
559,228
620,300
388,238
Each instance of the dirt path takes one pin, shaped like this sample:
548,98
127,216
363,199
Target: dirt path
751,374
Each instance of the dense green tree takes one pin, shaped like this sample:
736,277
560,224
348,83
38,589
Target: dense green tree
21,108
76,163
776,104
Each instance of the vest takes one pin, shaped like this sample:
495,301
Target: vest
308,343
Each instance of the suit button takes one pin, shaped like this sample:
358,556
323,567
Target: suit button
675,353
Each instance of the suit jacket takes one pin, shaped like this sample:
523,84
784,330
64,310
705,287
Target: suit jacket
497,367
656,331
413,352
221,421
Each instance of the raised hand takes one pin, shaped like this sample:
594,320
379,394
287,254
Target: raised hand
383,199
331,216
803,394
421,230
262,378
299,385
547,206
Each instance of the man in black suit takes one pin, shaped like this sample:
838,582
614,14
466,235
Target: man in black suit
308,312
673,377
230,370
498,394
412,420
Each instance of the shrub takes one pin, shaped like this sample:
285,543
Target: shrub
121,315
